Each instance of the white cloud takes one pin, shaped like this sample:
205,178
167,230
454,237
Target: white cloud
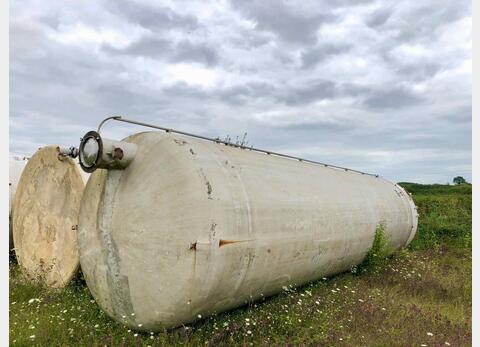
379,86
191,74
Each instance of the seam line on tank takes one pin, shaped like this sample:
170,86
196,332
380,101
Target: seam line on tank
118,284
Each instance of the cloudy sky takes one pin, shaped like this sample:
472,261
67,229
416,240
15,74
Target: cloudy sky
380,86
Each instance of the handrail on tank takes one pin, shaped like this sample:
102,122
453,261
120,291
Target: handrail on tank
217,140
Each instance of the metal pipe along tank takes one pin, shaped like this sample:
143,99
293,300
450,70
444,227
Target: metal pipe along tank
192,228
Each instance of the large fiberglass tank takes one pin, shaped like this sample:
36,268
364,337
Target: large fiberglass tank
186,227
45,217
16,165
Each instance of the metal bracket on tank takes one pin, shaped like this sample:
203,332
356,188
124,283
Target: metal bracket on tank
217,140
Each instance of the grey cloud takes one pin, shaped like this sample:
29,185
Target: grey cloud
26,40
119,97
184,90
253,92
420,69
320,89
240,95
421,24
315,91
418,72
152,47
159,48
52,20
317,126
392,98
349,3
187,51
152,17
462,116
354,89
283,20
379,17
249,39
237,95
314,56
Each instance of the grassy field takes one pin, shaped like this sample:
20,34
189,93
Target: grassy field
419,296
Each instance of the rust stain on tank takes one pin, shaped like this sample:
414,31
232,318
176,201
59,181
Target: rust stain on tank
193,246
117,154
227,242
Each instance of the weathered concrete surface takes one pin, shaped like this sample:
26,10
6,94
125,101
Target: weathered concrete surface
15,169
192,228
45,217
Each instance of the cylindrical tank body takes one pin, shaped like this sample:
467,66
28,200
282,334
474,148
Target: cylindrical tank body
16,165
191,228
45,217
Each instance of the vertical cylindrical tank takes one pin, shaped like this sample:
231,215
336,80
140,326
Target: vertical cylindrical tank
45,217
16,165
191,228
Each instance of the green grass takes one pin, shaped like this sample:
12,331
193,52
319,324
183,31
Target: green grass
419,295
437,189
445,215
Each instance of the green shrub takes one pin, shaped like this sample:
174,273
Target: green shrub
379,253
437,189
